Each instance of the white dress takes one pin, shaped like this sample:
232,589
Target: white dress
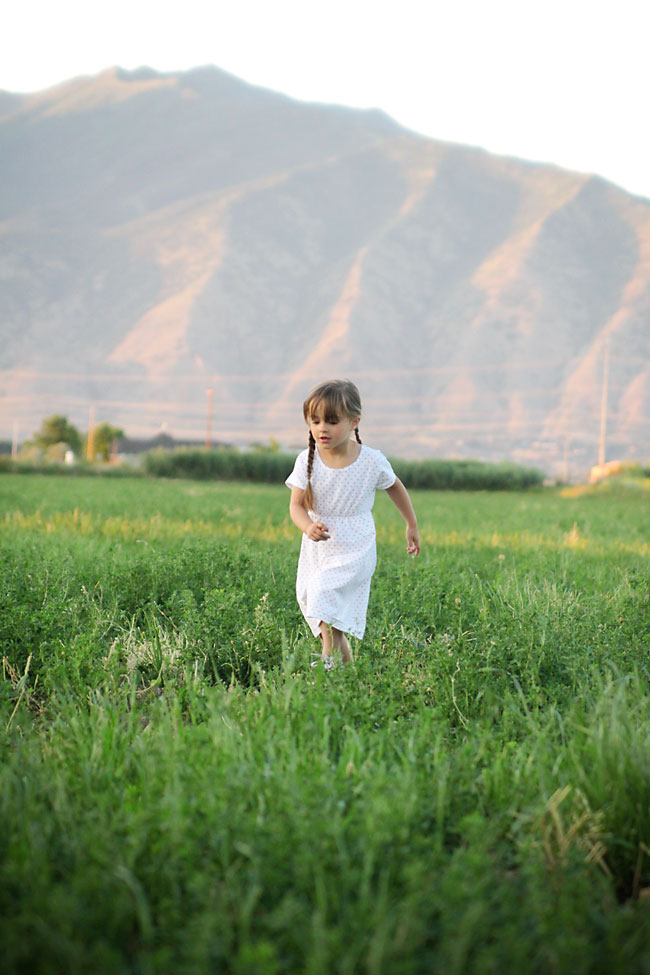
334,575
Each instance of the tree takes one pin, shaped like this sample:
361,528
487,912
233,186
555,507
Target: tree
272,447
57,429
105,435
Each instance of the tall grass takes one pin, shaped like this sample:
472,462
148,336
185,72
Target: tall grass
181,791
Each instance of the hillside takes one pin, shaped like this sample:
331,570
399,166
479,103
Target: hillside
165,234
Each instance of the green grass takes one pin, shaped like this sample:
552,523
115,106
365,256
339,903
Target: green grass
180,791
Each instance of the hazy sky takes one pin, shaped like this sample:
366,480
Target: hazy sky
562,81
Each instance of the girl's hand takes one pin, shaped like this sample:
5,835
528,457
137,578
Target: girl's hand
318,532
412,541
400,498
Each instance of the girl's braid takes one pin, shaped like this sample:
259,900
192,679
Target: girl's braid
356,433
309,493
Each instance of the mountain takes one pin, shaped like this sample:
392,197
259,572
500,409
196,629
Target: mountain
165,234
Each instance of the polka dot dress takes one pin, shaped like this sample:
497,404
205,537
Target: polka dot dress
334,575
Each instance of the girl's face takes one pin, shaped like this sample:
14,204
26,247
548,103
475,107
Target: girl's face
328,429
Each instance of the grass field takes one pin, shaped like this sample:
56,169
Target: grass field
182,792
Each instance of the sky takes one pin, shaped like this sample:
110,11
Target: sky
559,81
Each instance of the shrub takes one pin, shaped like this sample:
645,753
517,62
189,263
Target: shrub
228,464
466,475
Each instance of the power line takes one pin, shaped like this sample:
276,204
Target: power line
207,375
573,411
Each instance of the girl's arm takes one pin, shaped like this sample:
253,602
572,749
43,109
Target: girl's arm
400,498
315,530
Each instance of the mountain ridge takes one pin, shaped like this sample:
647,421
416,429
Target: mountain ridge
183,231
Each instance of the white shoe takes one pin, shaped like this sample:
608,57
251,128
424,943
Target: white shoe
327,663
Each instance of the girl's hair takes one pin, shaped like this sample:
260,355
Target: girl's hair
338,397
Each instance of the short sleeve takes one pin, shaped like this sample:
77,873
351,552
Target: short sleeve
298,476
386,476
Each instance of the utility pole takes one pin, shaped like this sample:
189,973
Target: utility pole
14,442
603,405
565,459
208,418
90,452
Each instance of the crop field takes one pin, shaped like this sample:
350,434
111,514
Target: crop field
181,791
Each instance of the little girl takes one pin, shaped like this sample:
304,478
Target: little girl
333,488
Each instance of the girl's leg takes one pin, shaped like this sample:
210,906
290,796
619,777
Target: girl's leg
346,653
341,643
326,635
334,639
